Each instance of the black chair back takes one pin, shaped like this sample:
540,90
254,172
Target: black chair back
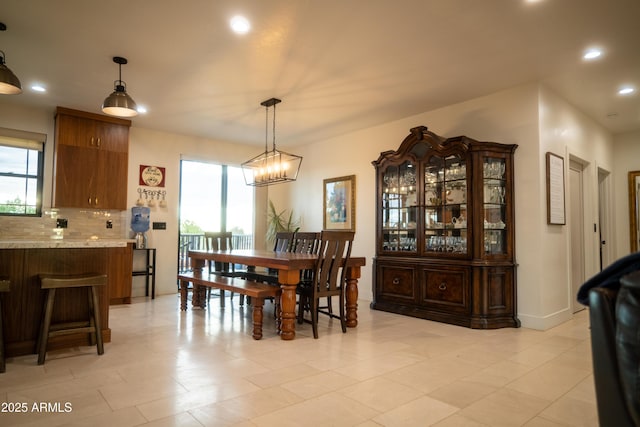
284,241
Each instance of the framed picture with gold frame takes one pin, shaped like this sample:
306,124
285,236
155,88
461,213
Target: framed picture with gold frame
339,203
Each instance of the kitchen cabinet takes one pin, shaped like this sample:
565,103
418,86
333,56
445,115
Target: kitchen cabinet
445,238
91,160
120,266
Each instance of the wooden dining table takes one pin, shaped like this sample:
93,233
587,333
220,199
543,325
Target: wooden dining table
289,266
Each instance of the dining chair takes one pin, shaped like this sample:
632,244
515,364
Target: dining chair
283,243
306,242
329,278
289,241
222,241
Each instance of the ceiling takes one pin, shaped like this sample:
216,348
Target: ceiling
337,65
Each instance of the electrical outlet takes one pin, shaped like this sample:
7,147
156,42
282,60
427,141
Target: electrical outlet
109,223
61,223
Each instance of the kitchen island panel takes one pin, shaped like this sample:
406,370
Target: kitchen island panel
23,305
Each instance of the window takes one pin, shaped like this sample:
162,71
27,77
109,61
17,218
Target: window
21,172
215,198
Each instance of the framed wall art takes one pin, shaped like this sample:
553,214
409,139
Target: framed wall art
339,203
634,209
555,190
152,176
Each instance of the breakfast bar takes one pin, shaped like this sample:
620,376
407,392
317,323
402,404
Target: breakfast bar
22,261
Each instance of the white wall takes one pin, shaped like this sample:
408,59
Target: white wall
508,117
626,158
568,133
149,147
526,115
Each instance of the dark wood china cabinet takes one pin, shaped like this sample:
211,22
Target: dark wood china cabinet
445,245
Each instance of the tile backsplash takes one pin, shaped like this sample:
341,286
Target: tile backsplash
81,224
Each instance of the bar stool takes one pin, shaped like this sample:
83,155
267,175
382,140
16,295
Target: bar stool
92,326
4,287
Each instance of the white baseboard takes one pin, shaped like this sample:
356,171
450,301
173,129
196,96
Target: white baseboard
542,323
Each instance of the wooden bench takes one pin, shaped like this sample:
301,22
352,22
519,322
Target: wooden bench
255,290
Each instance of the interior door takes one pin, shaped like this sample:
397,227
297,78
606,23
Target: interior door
576,222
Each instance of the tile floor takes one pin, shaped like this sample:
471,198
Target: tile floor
202,368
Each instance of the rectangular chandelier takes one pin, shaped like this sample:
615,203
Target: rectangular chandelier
271,167
274,166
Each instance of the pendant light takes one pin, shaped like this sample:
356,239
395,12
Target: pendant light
119,103
271,167
9,83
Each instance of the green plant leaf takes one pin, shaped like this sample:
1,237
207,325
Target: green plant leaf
280,221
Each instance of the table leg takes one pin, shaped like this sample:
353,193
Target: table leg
184,286
195,300
198,293
199,298
288,280
258,304
353,274
278,312
153,278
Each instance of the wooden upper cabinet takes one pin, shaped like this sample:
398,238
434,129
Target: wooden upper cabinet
91,161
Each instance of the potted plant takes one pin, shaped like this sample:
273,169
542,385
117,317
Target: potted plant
280,221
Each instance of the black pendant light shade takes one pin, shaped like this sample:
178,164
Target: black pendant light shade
119,103
9,83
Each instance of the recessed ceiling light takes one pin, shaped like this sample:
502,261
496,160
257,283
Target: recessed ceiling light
141,109
240,24
592,54
626,90
38,88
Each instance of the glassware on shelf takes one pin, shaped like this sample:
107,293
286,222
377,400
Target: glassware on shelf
451,244
400,179
494,242
499,225
494,192
400,243
456,171
494,168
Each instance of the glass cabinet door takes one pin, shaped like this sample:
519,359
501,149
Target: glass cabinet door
494,183
400,208
445,198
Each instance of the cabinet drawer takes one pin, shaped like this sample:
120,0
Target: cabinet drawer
446,288
397,282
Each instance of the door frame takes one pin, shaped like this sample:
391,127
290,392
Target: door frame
605,213
577,247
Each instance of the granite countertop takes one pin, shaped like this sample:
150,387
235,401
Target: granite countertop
63,243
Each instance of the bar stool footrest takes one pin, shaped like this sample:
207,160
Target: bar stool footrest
70,328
